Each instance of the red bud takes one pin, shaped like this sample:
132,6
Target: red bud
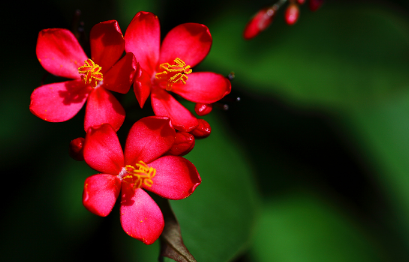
291,14
76,148
300,2
184,143
315,4
203,109
202,130
259,23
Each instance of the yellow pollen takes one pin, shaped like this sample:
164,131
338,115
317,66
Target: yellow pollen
90,73
139,175
174,73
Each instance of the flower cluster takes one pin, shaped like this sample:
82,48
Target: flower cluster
263,18
152,158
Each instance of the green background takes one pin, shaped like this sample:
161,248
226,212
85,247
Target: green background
311,165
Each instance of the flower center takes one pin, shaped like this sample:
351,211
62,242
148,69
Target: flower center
139,175
90,73
174,73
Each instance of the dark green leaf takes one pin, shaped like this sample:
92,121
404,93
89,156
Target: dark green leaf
382,131
217,219
303,226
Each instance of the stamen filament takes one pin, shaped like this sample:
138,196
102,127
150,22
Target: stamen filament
90,73
139,175
174,73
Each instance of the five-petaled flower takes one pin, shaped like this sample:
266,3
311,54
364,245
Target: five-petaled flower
60,54
141,168
167,67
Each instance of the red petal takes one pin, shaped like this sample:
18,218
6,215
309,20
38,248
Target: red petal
107,44
190,42
142,87
100,193
184,143
59,102
165,105
120,77
103,108
176,178
60,53
102,150
141,217
259,22
148,139
142,38
203,87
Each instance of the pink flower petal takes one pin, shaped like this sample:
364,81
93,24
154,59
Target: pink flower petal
148,139
102,150
100,193
107,44
203,87
176,178
60,53
103,107
120,77
141,217
190,42
165,105
142,87
59,102
142,38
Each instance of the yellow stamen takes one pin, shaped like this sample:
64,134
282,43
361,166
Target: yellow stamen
139,175
90,73
174,73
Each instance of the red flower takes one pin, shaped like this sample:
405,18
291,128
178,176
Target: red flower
142,167
167,67
60,54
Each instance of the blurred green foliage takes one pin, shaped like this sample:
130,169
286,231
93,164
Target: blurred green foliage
311,165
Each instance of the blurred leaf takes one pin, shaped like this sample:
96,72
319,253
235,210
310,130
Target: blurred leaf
171,239
302,226
217,219
129,8
382,131
337,57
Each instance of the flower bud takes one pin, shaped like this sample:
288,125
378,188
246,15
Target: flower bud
76,148
300,2
259,23
315,4
291,14
184,143
203,109
202,130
